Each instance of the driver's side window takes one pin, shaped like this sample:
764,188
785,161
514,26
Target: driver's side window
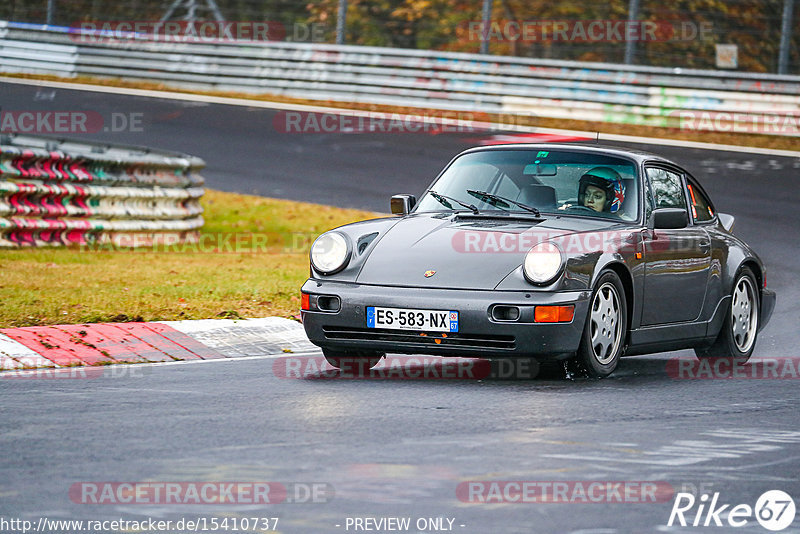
666,187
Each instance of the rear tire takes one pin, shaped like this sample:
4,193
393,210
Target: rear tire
352,360
604,335
737,337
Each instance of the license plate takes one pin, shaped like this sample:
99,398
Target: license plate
405,319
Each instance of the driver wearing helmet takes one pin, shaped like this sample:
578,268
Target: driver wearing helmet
601,189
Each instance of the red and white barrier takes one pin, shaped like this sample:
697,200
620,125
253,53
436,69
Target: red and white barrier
100,344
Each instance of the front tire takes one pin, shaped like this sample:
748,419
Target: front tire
354,361
737,338
603,337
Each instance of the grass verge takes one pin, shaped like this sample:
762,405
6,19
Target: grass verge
251,260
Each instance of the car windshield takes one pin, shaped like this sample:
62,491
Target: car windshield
550,181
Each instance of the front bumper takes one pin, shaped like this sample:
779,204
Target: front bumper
479,335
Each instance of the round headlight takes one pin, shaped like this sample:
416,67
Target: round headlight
543,263
330,253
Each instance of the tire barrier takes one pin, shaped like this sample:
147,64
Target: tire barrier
59,192
654,96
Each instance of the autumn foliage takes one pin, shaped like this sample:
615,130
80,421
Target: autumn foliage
692,27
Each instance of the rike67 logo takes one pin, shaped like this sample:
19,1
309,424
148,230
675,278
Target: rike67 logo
774,510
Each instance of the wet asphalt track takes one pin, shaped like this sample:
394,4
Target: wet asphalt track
400,448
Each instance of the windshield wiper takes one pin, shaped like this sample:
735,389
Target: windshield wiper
444,200
497,200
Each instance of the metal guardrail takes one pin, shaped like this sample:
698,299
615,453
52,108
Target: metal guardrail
59,192
414,78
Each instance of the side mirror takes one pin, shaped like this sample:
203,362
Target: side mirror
670,218
726,221
403,204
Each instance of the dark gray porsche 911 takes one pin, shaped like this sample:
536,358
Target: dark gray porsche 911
545,252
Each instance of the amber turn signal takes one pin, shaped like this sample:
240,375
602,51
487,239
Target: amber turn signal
554,314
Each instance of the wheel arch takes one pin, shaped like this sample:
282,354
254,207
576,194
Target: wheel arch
755,267
626,278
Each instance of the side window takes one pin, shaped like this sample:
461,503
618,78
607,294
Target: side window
701,207
667,188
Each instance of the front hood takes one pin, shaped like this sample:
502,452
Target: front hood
465,252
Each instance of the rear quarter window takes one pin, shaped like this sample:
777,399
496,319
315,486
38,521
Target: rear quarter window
701,207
